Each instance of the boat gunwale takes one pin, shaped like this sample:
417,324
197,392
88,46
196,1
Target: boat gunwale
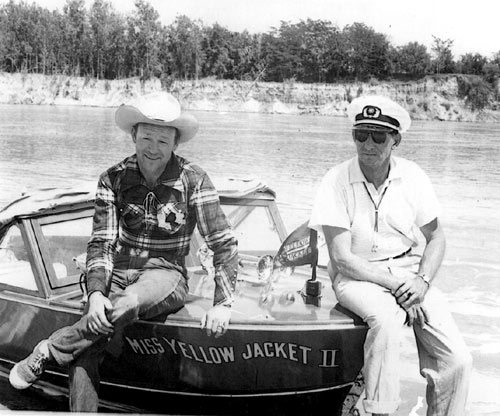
236,324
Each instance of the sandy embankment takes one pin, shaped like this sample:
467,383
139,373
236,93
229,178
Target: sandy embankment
428,99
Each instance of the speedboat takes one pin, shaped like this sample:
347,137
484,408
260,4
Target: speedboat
288,350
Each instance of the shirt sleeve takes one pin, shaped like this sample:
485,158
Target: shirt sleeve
330,204
219,236
428,207
102,244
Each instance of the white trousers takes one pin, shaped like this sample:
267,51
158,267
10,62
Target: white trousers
444,359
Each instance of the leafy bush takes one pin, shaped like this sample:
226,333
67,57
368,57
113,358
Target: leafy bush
476,91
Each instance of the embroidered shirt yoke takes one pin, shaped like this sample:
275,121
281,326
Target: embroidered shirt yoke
161,220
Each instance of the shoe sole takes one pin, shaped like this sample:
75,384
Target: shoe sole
16,381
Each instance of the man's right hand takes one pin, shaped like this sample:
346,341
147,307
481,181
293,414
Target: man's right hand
97,321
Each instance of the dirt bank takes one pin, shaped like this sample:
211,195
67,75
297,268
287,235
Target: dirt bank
428,99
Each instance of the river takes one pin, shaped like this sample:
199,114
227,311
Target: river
43,146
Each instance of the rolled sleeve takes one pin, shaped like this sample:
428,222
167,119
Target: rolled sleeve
102,244
219,236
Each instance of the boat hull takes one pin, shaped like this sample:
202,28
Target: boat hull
174,361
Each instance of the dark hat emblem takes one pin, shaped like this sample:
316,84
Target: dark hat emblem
371,111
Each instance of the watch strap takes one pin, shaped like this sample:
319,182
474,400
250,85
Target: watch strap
425,278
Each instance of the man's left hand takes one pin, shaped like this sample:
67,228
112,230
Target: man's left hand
216,320
411,292
416,314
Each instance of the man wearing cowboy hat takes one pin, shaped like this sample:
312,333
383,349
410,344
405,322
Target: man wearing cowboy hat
368,208
146,209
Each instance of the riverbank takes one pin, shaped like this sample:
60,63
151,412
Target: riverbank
431,98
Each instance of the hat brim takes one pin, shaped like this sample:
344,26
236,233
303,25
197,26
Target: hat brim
368,123
127,116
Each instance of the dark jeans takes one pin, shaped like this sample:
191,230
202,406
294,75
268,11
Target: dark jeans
141,288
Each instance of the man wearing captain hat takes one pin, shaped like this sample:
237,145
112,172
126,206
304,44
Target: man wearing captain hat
146,209
368,209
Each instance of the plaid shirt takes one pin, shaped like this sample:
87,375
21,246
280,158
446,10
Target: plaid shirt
161,220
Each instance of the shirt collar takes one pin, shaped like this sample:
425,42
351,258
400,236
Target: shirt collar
356,174
170,177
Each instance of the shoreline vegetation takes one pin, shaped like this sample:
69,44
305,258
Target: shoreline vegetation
94,55
434,97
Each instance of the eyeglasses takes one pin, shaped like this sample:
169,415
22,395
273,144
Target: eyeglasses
378,136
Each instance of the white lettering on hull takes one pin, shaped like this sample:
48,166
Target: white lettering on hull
285,350
216,355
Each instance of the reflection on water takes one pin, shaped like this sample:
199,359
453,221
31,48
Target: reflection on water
43,146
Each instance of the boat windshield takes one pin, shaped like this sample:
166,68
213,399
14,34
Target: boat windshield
15,266
255,229
63,239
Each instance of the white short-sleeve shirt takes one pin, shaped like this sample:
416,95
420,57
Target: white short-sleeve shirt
405,200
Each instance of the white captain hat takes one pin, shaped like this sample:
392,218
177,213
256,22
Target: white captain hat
380,111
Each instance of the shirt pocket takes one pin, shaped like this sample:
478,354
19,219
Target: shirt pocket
132,215
171,217
402,219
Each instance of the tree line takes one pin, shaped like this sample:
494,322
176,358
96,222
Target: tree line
100,42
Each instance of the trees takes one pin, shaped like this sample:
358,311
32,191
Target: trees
113,59
99,17
471,64
246,55
184,47
491,70
100,42
443,61
282,53
76,45
475,90
144,33
412,59
366,50
216,43
321,50
309,51
18,26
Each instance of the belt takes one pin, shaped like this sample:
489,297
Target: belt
398,256
144,253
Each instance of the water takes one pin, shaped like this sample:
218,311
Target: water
43,146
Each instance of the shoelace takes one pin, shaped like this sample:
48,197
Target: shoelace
38,363
150,204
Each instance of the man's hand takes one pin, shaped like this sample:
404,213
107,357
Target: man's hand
97,321
411,292
416,314
216,320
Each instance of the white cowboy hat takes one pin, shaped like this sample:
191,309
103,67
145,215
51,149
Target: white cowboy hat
378,110
159,109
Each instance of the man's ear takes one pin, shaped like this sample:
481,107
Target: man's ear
352,136
397,140
133,133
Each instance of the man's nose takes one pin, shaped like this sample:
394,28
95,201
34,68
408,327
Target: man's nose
369,141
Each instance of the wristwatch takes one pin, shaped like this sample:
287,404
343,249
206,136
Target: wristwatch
425,278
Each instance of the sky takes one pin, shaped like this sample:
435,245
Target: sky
473,25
